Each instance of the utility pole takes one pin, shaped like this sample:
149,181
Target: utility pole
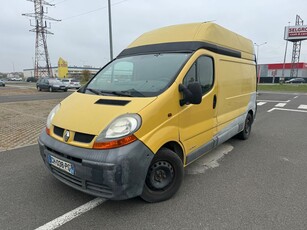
42,65
285,57
110,30
257,58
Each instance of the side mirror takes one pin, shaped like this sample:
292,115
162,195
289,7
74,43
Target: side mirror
192,94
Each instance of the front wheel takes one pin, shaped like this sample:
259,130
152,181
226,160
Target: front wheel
164,176
50,89
244,134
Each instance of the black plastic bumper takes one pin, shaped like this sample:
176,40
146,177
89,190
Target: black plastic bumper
113,174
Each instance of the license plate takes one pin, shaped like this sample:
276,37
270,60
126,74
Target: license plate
63,165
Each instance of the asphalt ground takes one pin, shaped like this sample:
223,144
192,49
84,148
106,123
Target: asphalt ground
260,183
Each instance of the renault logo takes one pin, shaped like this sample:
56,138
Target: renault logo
66,135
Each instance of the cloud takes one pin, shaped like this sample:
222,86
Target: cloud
82,38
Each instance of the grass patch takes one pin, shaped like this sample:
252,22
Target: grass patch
302,88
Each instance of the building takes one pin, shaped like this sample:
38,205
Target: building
272,73
63,70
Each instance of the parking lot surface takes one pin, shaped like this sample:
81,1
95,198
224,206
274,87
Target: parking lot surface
23,114
260,183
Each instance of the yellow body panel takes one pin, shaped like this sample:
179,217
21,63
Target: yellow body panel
237,81
80,113
204,32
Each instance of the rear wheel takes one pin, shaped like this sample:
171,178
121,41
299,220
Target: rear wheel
244,134
50,89
164,176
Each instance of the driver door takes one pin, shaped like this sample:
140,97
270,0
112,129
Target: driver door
197,123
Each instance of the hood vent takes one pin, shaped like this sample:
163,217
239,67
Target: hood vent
112,102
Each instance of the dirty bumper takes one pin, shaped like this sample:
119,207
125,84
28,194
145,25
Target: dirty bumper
113,174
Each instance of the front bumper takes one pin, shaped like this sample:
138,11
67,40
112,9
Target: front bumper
59,88
113,174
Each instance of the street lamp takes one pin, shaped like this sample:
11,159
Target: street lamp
110,30
258,45
257,58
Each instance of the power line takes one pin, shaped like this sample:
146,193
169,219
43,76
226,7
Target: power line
91,11
57,3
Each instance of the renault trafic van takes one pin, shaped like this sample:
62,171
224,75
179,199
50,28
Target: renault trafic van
169,98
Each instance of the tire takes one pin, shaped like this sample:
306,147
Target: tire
50,89
245,133
38,88
65,90
164,176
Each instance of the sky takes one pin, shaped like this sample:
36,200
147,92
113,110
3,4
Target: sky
82,37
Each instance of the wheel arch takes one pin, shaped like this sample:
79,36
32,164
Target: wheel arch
251,112
176,148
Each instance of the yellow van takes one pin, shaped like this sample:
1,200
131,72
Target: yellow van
173,95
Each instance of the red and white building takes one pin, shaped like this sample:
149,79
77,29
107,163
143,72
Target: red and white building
273,72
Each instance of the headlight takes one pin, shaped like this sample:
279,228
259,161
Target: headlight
119,132
51,116
122,126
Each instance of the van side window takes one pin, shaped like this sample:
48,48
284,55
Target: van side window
201,72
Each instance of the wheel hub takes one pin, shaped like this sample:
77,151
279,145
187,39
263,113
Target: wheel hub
160,175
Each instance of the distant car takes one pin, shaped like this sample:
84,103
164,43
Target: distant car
296,80
50,84
2,83
31,79
71,83
15,79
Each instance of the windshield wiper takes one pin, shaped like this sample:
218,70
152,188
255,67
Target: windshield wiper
121,94
124,93
94,91
133,92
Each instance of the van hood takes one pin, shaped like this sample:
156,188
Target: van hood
90,114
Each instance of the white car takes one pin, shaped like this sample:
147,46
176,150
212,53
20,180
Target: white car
71,83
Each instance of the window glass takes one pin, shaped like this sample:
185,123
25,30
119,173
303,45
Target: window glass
191,76
142,75
201,72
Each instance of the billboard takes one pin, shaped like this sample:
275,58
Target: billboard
295,33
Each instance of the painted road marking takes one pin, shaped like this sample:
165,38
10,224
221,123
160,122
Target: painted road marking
295,97
261,103
302,107
275,101
291,110
280,105
58,222
209,161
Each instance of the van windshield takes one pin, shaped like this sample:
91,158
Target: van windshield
138,76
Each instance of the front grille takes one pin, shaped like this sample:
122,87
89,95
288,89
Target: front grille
75,159
83,137
74,181
67,177
79,137
58,131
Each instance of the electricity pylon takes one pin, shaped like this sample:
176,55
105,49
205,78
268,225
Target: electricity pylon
42,65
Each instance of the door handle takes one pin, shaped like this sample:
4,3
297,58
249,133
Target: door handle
214,101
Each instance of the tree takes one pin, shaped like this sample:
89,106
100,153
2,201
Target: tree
86,75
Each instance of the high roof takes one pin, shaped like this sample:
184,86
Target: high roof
197,32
